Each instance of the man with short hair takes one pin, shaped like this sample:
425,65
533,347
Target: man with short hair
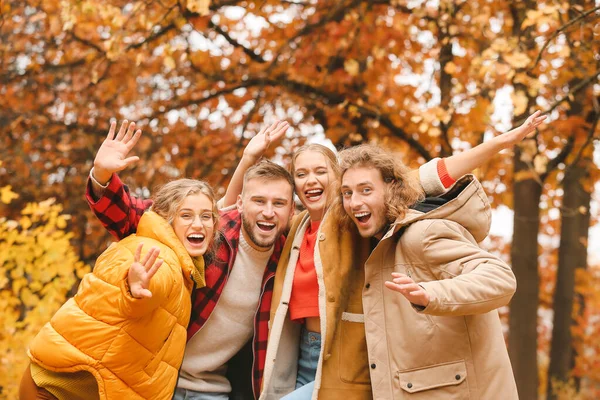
228,328
431,294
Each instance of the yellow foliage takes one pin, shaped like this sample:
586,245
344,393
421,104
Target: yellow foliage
519,99
450,68
38,269
565,390
199,6
169,63
517,60
352,67
7,195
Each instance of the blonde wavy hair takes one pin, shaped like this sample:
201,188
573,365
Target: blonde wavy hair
169,198
404,188
318,148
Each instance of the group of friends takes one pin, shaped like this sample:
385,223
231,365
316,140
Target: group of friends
376,290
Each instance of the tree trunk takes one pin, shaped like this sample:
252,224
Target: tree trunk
572,254
522,342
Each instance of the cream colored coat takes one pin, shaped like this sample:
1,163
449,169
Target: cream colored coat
454,348
341,372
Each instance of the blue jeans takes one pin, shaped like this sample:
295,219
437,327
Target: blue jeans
186,394
310,350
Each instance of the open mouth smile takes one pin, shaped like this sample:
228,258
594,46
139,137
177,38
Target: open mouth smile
196,239
265,226
362,217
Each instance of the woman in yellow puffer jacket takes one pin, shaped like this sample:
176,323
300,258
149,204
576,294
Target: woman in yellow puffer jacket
123,335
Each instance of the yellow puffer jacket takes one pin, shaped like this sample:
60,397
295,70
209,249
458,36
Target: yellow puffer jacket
133,347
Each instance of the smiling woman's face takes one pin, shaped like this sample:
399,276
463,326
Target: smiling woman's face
194,224
313,177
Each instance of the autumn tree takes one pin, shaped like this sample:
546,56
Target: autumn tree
424,78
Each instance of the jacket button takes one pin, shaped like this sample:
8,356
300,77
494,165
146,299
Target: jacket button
373,366
368,285
327,356
322,237
409,385
457,377
331,298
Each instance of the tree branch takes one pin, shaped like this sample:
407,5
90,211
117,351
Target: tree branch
87,43
559,30
560,158
251,53
152,37
303,89
580,86
336,14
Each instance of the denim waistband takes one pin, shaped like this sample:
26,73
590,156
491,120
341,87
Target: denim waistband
312,339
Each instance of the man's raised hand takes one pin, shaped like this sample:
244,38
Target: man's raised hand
258,145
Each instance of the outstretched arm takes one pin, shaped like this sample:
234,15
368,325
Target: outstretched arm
255,149
464,163
437,175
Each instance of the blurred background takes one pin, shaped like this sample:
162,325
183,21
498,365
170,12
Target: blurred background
423,78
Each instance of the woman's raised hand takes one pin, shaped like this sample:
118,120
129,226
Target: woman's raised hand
112,154
141,272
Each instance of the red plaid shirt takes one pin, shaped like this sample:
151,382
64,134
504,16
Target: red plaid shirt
120,213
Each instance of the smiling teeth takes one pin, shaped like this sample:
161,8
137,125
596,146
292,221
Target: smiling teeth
196,236
267,224
362,214
313,191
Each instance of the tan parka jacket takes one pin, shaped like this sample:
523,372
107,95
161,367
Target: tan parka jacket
454,348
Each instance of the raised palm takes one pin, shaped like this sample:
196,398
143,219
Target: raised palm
514,136
112,155
140,273
259,144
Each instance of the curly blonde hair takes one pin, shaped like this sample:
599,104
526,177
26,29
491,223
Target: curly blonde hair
404,189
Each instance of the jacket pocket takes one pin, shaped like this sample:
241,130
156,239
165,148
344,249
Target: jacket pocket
354,359
447,381
158,357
